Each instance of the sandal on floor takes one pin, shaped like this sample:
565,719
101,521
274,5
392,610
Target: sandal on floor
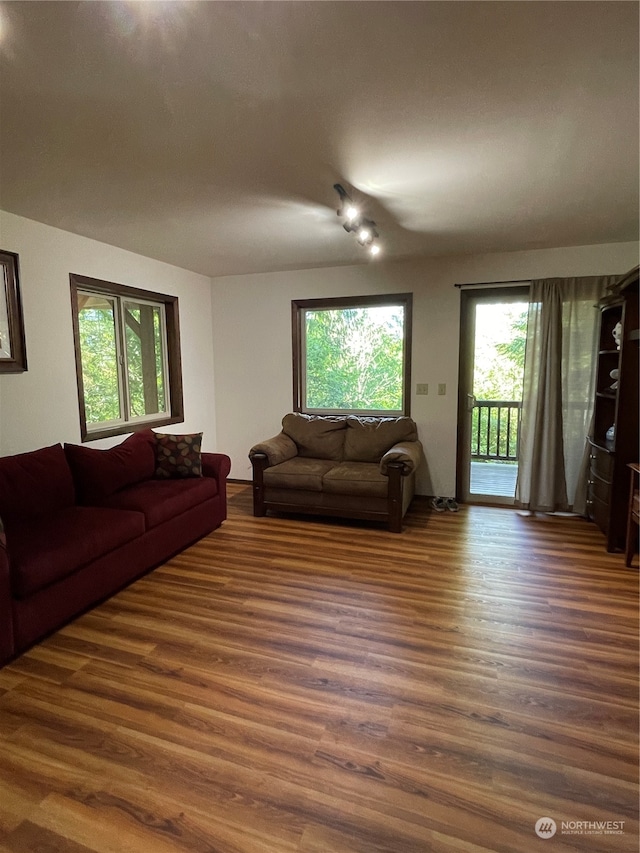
452,505
439,504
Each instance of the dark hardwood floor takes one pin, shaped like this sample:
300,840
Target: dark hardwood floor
323,687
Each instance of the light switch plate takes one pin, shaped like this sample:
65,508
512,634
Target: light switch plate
422,388
442,388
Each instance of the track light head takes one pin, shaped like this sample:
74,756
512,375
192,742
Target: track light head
364,229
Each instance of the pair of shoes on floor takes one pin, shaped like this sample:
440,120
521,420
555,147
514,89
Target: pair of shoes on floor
442,504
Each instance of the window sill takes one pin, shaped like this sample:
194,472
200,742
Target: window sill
125,429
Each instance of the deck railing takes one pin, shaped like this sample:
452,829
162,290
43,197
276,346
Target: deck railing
495,432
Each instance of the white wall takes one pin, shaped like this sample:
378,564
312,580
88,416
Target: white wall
40,407
252,338
236,336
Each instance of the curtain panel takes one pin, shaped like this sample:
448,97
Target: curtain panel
558,394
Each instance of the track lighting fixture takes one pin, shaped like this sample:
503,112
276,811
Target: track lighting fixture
355,223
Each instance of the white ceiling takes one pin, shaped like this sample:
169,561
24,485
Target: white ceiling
210,134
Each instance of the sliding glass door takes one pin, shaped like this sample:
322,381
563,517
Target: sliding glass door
492,344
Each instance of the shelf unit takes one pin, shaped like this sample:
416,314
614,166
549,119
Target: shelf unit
617,407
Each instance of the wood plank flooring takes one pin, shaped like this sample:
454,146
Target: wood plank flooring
308,686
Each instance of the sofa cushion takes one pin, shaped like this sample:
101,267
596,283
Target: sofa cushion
356,478
317,436
35,483
367,439
298,473
178,456
162,500
55,545
98,473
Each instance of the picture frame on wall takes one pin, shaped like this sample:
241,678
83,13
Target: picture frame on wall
13,351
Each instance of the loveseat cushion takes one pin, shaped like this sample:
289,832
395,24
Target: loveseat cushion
298,473
99,473
356,478
52,546
35,483
316,436
162,500
367,439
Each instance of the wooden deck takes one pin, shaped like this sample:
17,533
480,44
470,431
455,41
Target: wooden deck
494,478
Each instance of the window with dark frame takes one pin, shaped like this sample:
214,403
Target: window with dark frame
352,355
127,347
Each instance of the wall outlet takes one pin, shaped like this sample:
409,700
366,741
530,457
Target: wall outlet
442,388
422,388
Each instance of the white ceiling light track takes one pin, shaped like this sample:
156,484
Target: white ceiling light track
355,223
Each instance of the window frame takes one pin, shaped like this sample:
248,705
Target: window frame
172,360
298,309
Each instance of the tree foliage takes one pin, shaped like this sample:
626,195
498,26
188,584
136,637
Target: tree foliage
99,364
354,358
144,369
501,335
100,369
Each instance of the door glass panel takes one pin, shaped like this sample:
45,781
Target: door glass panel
498,370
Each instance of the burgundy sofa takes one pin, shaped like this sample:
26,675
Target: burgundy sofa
79,524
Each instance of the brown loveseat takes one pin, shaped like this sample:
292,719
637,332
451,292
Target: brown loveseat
345,466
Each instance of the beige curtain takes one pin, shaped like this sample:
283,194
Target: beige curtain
559,386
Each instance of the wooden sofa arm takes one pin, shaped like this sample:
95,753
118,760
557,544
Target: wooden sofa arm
259,462
273,451
395,472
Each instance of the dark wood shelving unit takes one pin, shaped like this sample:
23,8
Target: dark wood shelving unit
615,407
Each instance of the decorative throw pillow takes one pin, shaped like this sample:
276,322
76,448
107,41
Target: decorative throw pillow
178,456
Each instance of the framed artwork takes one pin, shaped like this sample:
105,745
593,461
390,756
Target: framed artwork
13,353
